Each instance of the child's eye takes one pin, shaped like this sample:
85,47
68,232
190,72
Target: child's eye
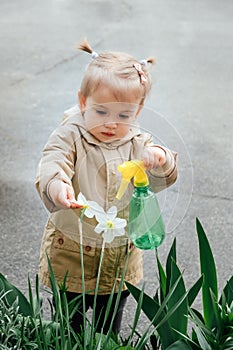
123,116
101,112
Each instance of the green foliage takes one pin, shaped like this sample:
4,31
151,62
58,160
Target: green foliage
11,294
171,308
168,310
213,330
22,326
170,313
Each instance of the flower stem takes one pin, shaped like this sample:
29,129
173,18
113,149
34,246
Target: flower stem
83,275
96,293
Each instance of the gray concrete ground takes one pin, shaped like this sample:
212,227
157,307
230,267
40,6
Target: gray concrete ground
189,110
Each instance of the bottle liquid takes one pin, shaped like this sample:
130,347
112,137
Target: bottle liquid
146,227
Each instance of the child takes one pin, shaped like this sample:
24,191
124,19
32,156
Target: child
82,155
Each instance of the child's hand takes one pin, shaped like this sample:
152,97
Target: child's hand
153,157
62,195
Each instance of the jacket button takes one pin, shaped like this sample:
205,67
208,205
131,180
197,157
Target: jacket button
88,248
131,245
60,241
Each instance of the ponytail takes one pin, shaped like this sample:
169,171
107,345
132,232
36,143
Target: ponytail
85,46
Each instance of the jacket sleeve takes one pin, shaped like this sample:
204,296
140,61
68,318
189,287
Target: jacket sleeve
164,176
57,162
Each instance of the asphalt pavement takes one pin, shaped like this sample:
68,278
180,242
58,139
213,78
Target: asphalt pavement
189,110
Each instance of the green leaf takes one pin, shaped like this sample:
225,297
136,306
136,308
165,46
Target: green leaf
110,345
217,313
179,345
197,315
150,307
228,291
208,269
136,318
12,293
171,257
162,278
201,332
194,290
201,339
159,315
178,320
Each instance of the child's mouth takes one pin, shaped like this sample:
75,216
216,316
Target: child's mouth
108,134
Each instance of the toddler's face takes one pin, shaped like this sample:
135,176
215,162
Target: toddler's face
105,117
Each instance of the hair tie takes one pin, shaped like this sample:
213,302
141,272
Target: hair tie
141,74
144,62
94,55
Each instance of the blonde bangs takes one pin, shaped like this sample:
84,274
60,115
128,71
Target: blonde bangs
116,71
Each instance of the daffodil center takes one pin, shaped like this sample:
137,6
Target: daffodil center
109,224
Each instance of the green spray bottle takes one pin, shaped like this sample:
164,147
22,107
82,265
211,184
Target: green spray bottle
146,227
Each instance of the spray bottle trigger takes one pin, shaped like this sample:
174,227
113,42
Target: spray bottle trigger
122,189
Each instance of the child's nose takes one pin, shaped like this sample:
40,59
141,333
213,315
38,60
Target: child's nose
111,125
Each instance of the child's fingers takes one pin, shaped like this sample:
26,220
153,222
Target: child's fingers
63,201
148,159
153,157
71,201
75,205
70,193
70,198
65,195
161,157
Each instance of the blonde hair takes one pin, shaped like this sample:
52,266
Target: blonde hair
117,71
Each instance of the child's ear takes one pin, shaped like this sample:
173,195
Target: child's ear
82,102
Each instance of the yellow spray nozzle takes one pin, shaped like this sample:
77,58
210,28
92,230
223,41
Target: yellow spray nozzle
130,169
122,189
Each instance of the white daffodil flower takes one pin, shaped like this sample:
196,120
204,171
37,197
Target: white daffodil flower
91,208
109,224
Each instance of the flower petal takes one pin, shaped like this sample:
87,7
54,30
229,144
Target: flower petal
95,207
120,223
89,213
108,236
101,216
119,232
109,231
112,212
81,198
99,228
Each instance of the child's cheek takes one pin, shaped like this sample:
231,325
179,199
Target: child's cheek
91,122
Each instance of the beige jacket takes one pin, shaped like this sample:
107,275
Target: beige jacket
76,157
